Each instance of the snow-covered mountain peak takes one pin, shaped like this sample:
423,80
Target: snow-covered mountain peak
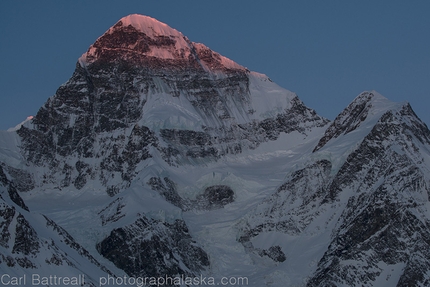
144,41
144,88
136,36
364,111
374,100
148,25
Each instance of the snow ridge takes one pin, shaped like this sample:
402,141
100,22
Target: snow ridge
364,111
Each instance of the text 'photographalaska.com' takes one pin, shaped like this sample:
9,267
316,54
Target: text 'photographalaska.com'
173,281
111,281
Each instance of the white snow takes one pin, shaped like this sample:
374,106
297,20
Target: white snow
337,149
9,149
18,126
268,99
162,111
150,26
390,274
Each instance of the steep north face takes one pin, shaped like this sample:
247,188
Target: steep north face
144,86
160,157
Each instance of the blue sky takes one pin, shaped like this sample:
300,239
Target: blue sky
325,51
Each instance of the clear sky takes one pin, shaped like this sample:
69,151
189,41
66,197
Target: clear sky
327,52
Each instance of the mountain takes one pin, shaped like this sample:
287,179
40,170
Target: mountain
161,158
356,214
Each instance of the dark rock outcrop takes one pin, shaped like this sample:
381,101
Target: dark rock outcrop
151,248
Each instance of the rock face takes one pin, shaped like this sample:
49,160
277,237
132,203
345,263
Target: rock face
160,157
384,222
349,119
216,196
143,89
149,248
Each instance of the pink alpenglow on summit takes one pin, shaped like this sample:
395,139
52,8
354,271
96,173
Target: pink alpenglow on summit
149,37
